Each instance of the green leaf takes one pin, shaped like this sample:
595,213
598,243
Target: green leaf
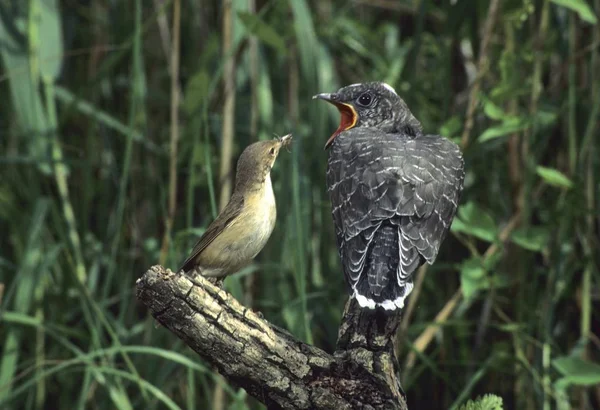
487,402
554,177
492,110
509,126
473,220
264,32
66,96
50,51
28,279
196,91
451,127
576,371
580,7
472,277
119,398
306,37
27,107
290,316
545,118
532,238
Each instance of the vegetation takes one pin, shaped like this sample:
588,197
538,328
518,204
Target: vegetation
487,402
117,134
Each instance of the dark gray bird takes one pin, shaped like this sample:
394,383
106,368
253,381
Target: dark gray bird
394,192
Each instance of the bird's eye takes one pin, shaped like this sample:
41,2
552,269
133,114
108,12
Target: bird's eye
365,99
272,151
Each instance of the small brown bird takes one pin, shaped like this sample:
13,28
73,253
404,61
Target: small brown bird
242,229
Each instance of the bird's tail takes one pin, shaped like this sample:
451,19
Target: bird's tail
380,284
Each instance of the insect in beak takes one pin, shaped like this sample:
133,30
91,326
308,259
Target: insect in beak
286,141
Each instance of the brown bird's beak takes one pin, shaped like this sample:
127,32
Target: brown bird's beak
349,117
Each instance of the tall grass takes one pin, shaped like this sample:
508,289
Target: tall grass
86,142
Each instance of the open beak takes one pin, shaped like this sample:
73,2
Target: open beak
349,117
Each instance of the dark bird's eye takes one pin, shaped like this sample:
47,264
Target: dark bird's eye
272,151
365,99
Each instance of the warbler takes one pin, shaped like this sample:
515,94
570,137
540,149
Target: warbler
394,192
243,227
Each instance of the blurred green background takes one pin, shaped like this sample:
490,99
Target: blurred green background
120,122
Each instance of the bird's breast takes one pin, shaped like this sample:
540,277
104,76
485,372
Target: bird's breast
262,209
268,198
259,216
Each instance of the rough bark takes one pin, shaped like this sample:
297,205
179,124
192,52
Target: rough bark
270,363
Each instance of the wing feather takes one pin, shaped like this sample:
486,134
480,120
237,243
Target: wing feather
414,183
225,219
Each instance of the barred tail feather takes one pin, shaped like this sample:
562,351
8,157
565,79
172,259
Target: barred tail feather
392,299
380,284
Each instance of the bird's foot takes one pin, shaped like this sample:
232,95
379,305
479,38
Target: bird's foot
191,276
218,282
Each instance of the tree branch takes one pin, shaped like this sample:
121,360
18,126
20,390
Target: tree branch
270,363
